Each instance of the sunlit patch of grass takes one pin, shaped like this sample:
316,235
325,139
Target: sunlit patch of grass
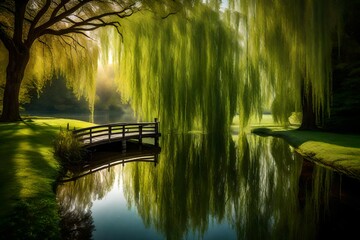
28,171
266,121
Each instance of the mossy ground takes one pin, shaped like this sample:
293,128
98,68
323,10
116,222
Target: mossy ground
28,171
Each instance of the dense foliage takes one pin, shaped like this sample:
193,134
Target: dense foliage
196,64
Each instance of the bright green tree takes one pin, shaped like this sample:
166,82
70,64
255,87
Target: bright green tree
47,37
290,44
212,60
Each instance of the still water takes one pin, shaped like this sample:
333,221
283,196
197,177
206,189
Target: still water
204,186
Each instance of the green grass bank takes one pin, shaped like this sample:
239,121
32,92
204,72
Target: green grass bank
28,171
337,151
340,152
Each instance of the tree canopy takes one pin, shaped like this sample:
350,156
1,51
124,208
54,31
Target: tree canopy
212,61
58,37
194,63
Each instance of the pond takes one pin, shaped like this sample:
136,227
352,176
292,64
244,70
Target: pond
204,186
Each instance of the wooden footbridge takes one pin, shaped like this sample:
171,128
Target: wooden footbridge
118,132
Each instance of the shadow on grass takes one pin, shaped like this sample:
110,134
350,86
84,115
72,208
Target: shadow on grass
28,209
8,182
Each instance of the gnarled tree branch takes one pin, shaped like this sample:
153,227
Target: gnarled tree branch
78,23
39,15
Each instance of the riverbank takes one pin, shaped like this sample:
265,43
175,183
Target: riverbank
340,152
28,170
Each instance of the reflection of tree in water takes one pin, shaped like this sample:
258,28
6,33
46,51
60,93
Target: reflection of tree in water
178,195
254,185
76,223
266,199
76,199
202,178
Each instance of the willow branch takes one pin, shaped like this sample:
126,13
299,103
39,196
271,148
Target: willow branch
40,14
38,30
75,41
169,14
19,18
64,41
45,44
77,26
58,7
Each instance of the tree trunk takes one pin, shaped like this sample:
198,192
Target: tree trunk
308,114
14,76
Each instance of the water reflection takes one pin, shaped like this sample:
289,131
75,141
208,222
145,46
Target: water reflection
206,187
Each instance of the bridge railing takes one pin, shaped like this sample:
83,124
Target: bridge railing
117,131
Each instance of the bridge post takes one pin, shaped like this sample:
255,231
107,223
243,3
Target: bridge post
109,133
156,159
123,145
123,142
90,135
156,139
140,134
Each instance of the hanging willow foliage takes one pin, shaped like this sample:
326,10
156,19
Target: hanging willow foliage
54,56
198,67
289,45
78,62
183,69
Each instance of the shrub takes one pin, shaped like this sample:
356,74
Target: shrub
68,150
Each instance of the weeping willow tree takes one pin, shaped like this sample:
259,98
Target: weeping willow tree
289,45
183,69
196,67
199,67
56,37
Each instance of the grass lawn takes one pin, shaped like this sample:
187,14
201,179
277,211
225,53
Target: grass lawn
28,171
